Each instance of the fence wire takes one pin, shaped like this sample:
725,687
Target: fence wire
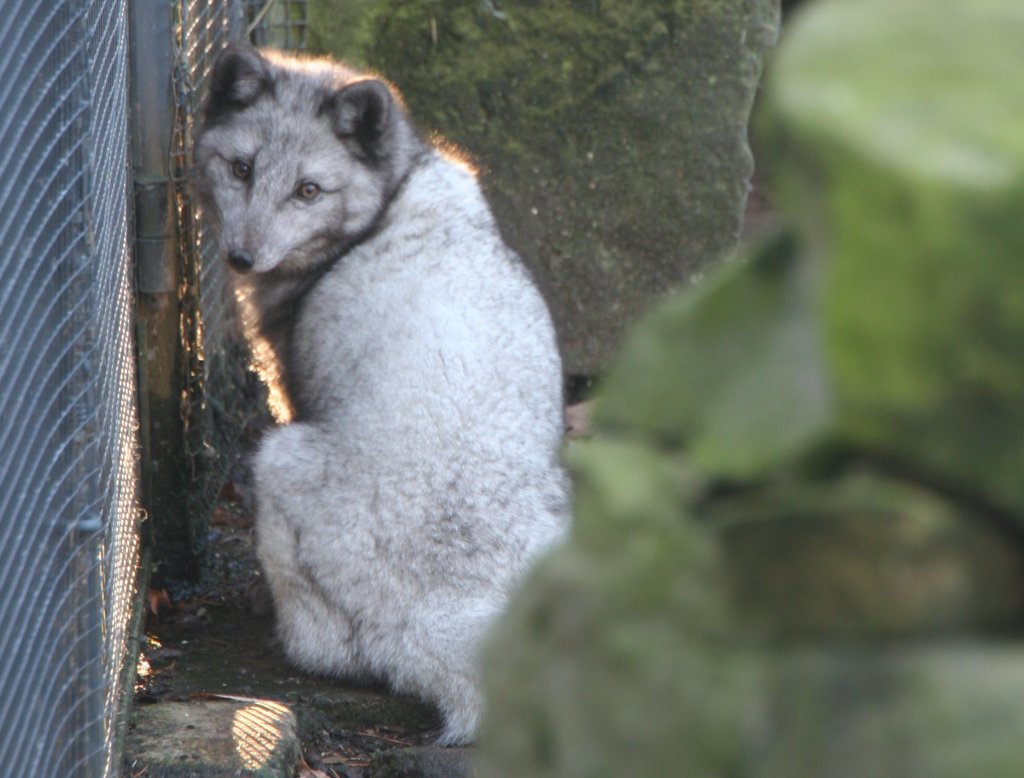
221,394
215,398
68,541
277,23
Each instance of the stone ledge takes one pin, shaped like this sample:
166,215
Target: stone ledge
224,736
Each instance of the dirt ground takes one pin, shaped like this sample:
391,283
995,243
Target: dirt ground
221,642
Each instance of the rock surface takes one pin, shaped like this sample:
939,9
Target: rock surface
613,136
904,148
799,546
616,659
220,737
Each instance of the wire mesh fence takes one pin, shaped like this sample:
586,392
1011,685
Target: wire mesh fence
216,397
68,540
220,394
277,23
69,413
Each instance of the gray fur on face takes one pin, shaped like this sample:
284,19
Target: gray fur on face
294,123
419,477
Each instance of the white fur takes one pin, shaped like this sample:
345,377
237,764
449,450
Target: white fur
422,478
394,526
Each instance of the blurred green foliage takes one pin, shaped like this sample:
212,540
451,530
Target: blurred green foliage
840,412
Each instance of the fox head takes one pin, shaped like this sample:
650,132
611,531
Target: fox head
297,159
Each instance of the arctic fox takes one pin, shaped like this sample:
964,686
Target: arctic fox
419,476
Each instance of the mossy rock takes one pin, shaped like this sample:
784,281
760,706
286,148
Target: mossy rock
612,135
615,661
674,635
821,447
910,709
732,371
903,141
894,324
865,556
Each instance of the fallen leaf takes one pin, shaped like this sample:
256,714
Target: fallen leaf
347,761
577,419
158,598
379,735
224,516
229,492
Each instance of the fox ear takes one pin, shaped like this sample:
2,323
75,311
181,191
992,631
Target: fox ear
363,111
240,77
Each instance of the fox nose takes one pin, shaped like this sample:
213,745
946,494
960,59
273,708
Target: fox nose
241,261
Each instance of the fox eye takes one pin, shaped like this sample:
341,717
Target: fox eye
307,190
241,170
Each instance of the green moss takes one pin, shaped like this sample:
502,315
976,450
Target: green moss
822,446
613,134
734,371
613,663
923,92
913,184
341,28
863,556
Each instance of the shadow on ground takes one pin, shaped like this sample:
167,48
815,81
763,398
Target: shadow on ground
219,645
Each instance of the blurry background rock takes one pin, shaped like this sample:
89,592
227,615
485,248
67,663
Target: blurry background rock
799,546
612,134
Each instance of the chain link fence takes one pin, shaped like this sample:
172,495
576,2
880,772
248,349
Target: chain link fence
226,398
67,399
74,408
277,23
197,392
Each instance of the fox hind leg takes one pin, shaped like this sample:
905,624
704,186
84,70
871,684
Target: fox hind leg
316,633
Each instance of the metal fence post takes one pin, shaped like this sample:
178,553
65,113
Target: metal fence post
161,353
